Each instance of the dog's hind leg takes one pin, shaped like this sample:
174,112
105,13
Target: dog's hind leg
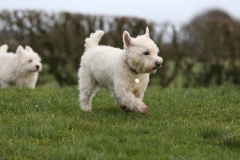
88,87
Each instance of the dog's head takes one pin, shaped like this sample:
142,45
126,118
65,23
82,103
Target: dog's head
28,60
142,53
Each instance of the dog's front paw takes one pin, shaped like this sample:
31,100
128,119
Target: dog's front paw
143,109
86,109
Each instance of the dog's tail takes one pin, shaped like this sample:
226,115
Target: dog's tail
93,40
3,48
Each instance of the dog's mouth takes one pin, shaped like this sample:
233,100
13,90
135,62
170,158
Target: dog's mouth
157,67
153,71
154,68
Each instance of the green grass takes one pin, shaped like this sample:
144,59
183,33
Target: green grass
46,123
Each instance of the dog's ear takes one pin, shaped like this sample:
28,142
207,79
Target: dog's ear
20,50
147,32
4,48
27,48
126,39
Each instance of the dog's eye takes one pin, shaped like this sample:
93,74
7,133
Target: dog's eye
30,61
146,53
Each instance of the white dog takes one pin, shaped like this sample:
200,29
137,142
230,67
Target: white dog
20,69
125,73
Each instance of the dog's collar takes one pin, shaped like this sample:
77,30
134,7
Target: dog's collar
133,70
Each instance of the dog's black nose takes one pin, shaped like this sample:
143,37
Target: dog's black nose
158,64
37,66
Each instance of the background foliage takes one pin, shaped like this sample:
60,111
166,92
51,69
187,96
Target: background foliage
203,52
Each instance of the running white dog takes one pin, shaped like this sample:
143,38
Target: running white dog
125,73
20,69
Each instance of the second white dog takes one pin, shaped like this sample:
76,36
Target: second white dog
125,73
20,69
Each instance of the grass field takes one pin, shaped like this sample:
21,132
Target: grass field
46,123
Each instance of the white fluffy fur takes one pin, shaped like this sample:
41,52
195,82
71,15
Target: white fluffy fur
116,70
20,69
